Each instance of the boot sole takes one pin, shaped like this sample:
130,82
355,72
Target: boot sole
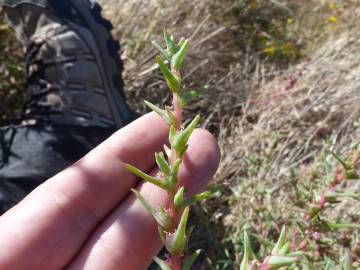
90,11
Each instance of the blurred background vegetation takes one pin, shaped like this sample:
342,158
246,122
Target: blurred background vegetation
284,79
11,76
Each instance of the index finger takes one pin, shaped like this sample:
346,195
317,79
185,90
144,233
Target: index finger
57,217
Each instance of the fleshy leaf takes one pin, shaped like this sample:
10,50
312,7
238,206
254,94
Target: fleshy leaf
153,180
284,249
281,261
170,43
182,137
168,118
188,96
162,264
172,134
337,226
196,198
188,234
334,195
167,151
174,171
341,161
160,49
247,253
280,242
162,163
161,217
189,261
176,242
178,59
295,254
179,197
146,204
172,82
181,42
346,262
170,115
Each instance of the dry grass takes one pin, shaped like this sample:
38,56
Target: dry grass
249,97
215,59
308,103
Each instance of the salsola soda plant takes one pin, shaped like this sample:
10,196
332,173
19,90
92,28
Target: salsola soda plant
172,220
281,255
320,232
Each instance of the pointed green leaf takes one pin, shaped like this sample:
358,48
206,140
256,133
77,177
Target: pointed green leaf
182,137
153,180
186,97
170,115
346,262
281,261
172,134
161,217
178,59
168,118
170,43
179,197
335,195
336,226
162,234
188,234
341,161
181,42
189,261
162,163
176,242
162,264
172,82
174,171
247,253
284,249
196,198
146,204
167,151
295,254
160,49
330,265
280,242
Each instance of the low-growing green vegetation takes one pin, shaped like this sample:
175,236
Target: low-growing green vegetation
317,204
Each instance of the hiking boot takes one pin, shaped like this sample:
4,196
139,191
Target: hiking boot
72,63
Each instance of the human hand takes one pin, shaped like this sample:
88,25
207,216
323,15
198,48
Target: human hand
86,217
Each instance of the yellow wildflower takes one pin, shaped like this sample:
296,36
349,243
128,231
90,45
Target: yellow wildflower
269,50
332,6
333,19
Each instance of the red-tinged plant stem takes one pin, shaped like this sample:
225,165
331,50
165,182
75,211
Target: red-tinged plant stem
177,112
265,267
174,156
176,260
